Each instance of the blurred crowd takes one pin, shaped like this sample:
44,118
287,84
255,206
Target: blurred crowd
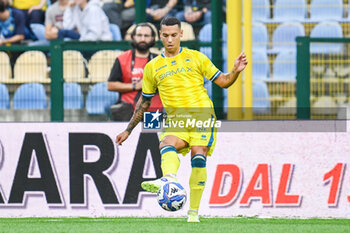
36,22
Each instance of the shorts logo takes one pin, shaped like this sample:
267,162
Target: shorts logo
151,120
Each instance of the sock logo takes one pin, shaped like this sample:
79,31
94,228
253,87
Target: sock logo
201,183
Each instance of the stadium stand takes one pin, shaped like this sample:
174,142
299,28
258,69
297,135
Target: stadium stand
284,66
188,32
116,34
31,66
30,96
288,107
74,66
284,36
286,10
73,96
261,98
261,10
324,105
99,99
260,65
321,10
260,36
205,36
4,97
5,68
101,63
326,29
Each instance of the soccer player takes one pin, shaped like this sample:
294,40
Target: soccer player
178,75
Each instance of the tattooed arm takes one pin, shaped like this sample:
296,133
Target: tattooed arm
142,105
226,80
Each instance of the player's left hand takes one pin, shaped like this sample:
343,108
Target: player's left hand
240,62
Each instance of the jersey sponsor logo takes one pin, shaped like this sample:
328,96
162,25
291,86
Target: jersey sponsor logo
173,63
177,71
161,68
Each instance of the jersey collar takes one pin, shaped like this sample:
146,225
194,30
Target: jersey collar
163,53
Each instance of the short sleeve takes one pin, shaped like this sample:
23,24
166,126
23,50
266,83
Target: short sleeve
116,72
48,16
207,68
149,87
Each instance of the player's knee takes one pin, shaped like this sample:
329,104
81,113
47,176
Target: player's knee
198,160
203,150
164,143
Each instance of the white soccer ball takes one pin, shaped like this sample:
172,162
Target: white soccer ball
171,196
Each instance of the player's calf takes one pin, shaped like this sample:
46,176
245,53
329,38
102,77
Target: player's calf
197,180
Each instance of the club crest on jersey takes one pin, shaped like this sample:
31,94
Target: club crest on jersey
187,60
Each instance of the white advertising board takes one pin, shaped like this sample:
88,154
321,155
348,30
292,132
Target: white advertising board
76,169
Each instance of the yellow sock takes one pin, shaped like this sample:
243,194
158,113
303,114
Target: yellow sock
197,180
169,160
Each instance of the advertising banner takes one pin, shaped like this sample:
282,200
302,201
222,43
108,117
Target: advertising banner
76,169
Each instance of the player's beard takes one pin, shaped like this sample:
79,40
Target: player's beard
142,47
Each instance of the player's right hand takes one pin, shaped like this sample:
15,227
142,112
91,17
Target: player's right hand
122,137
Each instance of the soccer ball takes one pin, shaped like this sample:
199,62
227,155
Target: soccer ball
171,196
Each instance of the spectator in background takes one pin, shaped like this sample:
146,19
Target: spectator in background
54,22
88,18
126,74
196,11
7,3
157,9
120,12
53,28
12,24
34,10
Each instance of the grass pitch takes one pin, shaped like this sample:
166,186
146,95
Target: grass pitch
161,225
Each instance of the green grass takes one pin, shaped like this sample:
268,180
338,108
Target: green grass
167,225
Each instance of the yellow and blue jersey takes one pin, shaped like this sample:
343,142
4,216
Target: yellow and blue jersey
180,79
